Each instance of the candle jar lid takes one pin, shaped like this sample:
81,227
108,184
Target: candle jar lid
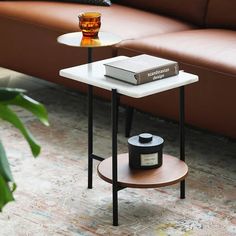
145,140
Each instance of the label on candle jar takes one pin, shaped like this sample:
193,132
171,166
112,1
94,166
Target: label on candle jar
149,159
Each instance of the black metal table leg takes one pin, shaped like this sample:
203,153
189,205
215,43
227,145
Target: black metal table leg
182,136
90,55
115,188
128,121
90,136
90,128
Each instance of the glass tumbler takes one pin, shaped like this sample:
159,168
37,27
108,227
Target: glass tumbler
90,23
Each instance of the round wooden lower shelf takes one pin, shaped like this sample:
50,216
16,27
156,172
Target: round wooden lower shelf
172,171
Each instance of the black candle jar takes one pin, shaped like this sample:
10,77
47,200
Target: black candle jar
145,151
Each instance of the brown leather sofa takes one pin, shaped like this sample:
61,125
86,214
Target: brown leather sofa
199,34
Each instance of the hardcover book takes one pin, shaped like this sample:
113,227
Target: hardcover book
141,69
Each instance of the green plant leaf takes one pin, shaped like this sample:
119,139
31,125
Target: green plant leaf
12,96
9,93
29,104
5,170
10,116
5,193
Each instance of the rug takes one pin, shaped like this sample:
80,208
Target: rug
52,196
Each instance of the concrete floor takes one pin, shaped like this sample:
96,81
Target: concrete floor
52,196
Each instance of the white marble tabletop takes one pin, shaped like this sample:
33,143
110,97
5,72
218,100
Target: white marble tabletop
94,74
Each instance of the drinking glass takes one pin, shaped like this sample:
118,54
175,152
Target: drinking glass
90,23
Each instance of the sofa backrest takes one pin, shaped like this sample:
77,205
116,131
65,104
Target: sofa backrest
192,11
221,14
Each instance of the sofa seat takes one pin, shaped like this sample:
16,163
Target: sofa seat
208,53
213,49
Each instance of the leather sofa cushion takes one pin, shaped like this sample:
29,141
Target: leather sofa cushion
213,49
221,13
63,17
192,11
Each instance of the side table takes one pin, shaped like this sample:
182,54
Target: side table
115,169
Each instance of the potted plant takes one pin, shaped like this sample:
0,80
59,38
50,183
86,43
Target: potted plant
8,97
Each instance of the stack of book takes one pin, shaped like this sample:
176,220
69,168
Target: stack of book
141,69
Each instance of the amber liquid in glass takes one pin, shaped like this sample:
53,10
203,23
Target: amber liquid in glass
90,23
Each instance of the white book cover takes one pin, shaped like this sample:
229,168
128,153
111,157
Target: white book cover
141,69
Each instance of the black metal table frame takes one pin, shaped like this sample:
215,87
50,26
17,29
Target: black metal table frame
114,115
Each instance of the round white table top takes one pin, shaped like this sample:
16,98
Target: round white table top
76,39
